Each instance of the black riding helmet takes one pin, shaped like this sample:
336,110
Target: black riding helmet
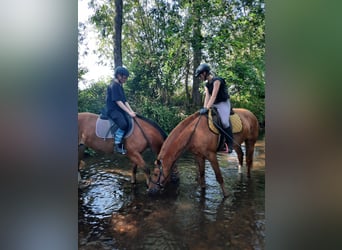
202,68
121,70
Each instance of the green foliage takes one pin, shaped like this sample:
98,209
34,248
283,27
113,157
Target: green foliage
247,88
92,99
167,117
157,44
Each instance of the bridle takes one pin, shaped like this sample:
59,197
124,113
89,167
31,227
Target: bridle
161,173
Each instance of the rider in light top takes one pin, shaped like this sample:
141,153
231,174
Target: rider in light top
216,95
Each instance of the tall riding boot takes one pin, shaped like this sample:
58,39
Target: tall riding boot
119,147
229,138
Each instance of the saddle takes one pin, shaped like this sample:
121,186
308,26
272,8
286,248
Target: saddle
215,125
214,121
106,127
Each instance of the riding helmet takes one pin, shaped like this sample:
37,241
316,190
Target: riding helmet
202,68
121,70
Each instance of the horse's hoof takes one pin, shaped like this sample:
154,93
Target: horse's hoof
225,195
84,184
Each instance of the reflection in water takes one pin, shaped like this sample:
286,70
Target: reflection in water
113,215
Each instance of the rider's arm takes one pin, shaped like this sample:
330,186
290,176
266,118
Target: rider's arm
213,95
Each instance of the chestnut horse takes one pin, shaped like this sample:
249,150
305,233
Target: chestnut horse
193,134
146,133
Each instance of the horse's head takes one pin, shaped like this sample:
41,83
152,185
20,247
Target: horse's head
157,179
161,176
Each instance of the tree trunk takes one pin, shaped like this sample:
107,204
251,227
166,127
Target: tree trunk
118,33
187,92
197,51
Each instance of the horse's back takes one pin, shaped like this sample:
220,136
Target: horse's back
86,124
83,116
249,121
86,118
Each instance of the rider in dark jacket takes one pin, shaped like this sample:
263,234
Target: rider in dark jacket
117,106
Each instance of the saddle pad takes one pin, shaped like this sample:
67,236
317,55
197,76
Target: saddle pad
103,127
236,123
212,126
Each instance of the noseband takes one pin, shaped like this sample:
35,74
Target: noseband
159,176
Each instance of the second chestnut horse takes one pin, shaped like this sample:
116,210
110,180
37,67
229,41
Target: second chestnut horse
193,134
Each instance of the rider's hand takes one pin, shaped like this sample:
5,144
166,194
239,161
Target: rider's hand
203,111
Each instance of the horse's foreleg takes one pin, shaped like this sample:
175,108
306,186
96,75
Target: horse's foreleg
138,161
249,156
201,170
239,152
214,164
134,174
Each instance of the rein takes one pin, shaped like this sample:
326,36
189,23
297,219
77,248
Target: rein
142,131
161,161
147,170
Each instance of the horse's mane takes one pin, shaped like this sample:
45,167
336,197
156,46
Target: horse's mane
177,138
153,124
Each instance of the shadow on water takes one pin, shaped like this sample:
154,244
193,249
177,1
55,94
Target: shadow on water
115,215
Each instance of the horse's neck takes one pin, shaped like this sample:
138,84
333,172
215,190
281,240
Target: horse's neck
177,142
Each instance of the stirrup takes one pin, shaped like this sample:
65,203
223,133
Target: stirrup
230,149
119,148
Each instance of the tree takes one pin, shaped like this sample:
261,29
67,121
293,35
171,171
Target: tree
197,49
118,33
163,42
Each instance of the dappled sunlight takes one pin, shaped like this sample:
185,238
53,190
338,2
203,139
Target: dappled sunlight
124,224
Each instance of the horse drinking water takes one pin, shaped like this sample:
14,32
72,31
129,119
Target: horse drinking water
146,133
193,134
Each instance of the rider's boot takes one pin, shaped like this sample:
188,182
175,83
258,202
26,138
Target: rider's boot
229,138
119,146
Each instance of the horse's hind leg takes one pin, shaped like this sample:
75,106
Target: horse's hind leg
81,149
239,152
214,164
81,163
250,144
201,170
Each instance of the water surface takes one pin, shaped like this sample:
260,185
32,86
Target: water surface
115,215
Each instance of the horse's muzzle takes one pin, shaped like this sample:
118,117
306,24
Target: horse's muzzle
174,178
154,191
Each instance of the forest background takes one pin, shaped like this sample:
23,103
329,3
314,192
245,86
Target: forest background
162,42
